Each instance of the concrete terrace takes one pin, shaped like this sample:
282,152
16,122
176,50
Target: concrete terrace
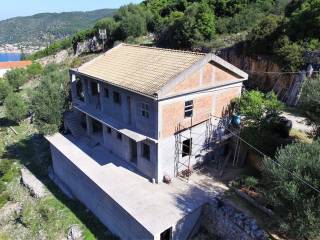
155,206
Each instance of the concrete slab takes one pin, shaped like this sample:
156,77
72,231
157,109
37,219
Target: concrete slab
155,206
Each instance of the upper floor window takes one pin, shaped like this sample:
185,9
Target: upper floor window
106,92
146,151
109,130
94,88
186,147
145,110
116,98
188,108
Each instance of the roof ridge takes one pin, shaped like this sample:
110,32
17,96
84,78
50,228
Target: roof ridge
164,49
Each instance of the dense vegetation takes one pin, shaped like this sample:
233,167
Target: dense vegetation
287,37
281,29
42,28
184,24
297,203
45,103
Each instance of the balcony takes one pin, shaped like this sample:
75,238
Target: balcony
111,122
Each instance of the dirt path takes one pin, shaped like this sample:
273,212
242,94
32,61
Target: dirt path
298,122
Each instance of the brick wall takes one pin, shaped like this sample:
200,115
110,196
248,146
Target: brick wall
208,75
214,103
223,99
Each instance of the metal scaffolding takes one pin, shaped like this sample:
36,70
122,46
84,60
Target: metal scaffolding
212,140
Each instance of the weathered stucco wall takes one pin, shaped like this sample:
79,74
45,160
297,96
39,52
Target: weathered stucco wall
108,211
105,208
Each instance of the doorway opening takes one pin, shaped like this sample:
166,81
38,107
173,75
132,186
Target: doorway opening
133,151
166,235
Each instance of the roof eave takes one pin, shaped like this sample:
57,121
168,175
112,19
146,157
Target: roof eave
229,66
153,96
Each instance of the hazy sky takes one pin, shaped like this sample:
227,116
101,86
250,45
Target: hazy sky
15,8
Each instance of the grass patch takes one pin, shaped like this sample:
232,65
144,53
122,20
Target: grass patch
4,198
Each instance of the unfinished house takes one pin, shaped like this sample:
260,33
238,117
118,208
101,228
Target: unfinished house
141,115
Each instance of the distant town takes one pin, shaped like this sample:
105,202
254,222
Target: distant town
22,47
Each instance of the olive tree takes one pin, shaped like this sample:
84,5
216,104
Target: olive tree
49,101
15,107
310,101
5,90
298,203
16,78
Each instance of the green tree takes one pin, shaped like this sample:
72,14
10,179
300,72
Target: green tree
196,25
310,101
304,21
264,34
5,90
289,54
15,107
255,105
132,21
297,202
109,24
16,78
49,101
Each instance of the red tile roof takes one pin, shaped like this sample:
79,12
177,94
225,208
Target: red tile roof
18,64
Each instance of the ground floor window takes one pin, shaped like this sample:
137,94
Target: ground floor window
186,147
146,151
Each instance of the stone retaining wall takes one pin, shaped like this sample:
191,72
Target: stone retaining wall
223,220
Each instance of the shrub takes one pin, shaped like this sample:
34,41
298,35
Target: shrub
52,49
4,197
15,107
34,69
250,182
295,200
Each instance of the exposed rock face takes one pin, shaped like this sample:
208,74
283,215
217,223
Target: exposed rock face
34,185
88,46
57,58
257,67
75,233
222,219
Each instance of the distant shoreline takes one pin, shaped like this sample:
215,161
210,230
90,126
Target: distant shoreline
10,52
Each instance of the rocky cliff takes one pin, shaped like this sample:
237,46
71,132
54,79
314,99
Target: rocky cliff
263,72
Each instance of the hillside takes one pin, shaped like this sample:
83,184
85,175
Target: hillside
47,27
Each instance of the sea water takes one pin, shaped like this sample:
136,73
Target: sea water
10,57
